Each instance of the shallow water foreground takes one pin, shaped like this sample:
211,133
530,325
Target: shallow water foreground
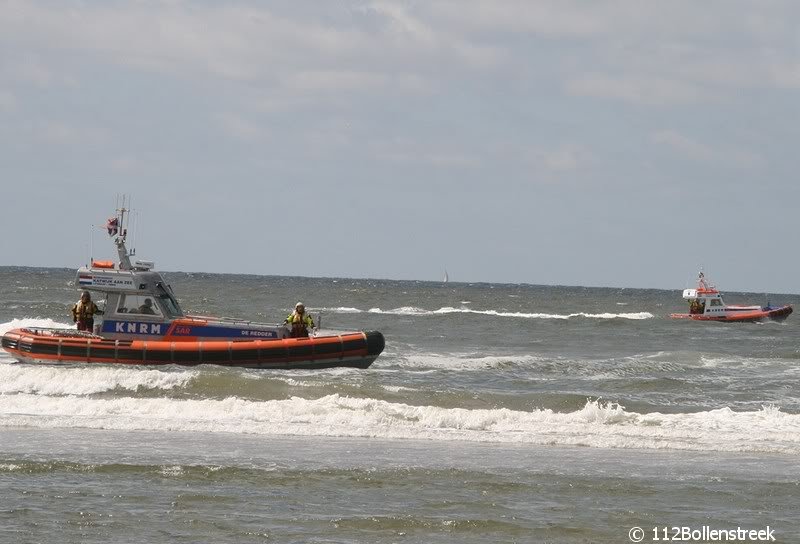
108,486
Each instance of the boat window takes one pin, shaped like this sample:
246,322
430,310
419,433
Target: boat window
716,302
138,304
170,306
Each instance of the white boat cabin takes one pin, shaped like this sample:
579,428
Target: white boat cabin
704,301
707,301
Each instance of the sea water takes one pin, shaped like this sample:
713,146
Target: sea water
497,413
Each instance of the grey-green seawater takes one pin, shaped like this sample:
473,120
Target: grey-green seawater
508,413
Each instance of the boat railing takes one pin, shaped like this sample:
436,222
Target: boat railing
233,320
55,331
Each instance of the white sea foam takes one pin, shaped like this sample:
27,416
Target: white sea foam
728,361
396,388
175,470
415,311
465,361
342,310
597,424
55,380
32,322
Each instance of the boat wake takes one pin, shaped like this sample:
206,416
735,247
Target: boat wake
33,322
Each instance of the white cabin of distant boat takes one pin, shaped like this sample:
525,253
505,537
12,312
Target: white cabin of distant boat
711,301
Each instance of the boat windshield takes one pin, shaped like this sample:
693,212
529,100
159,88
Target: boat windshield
170,305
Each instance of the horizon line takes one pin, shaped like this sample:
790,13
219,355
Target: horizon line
481,282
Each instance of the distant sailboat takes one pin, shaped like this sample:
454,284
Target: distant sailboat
446,278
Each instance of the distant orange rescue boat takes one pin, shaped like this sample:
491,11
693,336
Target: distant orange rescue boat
706,304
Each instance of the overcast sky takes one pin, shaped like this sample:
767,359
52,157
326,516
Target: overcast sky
546,142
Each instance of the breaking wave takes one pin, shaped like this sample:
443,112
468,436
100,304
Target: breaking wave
415,311
342,310
598,424
56,380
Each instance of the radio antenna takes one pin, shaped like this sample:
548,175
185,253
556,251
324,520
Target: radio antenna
135,231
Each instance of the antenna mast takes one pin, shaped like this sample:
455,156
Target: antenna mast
122,234
135,216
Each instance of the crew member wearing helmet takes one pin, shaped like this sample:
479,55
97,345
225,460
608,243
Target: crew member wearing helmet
299,321
83,312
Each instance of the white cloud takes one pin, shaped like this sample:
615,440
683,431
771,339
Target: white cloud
621,19
419,34
402,23
684,145
562,159
554,164
640,53
440,154
64,133
785,75
228,41
124,164
355,81
699,151
8,102
28,69
547,18
239,127
639,89
646,53
238,41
